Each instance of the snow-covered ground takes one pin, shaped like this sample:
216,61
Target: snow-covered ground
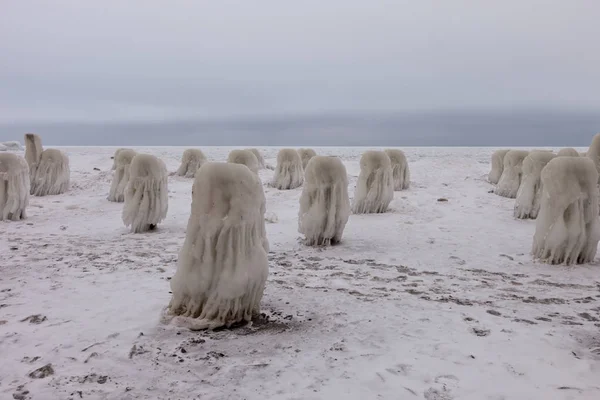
434,300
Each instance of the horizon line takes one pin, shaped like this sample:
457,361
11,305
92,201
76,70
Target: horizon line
349,114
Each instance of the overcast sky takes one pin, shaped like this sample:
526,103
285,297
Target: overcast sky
150,59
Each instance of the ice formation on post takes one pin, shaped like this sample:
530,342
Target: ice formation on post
244,157
33,152
324,203
289,173
306,155
497,166
568,152
510,180
14,187
529,195
191,162
114,157
567,229
123,158
593,152
375,186
400,170
223,264
146,194
259,158
48,169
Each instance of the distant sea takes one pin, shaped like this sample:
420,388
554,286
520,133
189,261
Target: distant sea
401,129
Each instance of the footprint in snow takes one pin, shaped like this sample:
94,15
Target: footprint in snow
435,394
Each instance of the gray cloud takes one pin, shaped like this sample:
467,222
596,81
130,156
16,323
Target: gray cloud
129,60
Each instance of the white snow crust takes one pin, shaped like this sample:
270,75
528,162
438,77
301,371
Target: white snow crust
11,146
432,300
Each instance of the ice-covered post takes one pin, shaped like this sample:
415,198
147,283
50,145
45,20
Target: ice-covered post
400,170
527,203
375,186
123,158
512,171
191,161
223,264
146,194
14,187
289,173
324,203
567,229
244,157
49,170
